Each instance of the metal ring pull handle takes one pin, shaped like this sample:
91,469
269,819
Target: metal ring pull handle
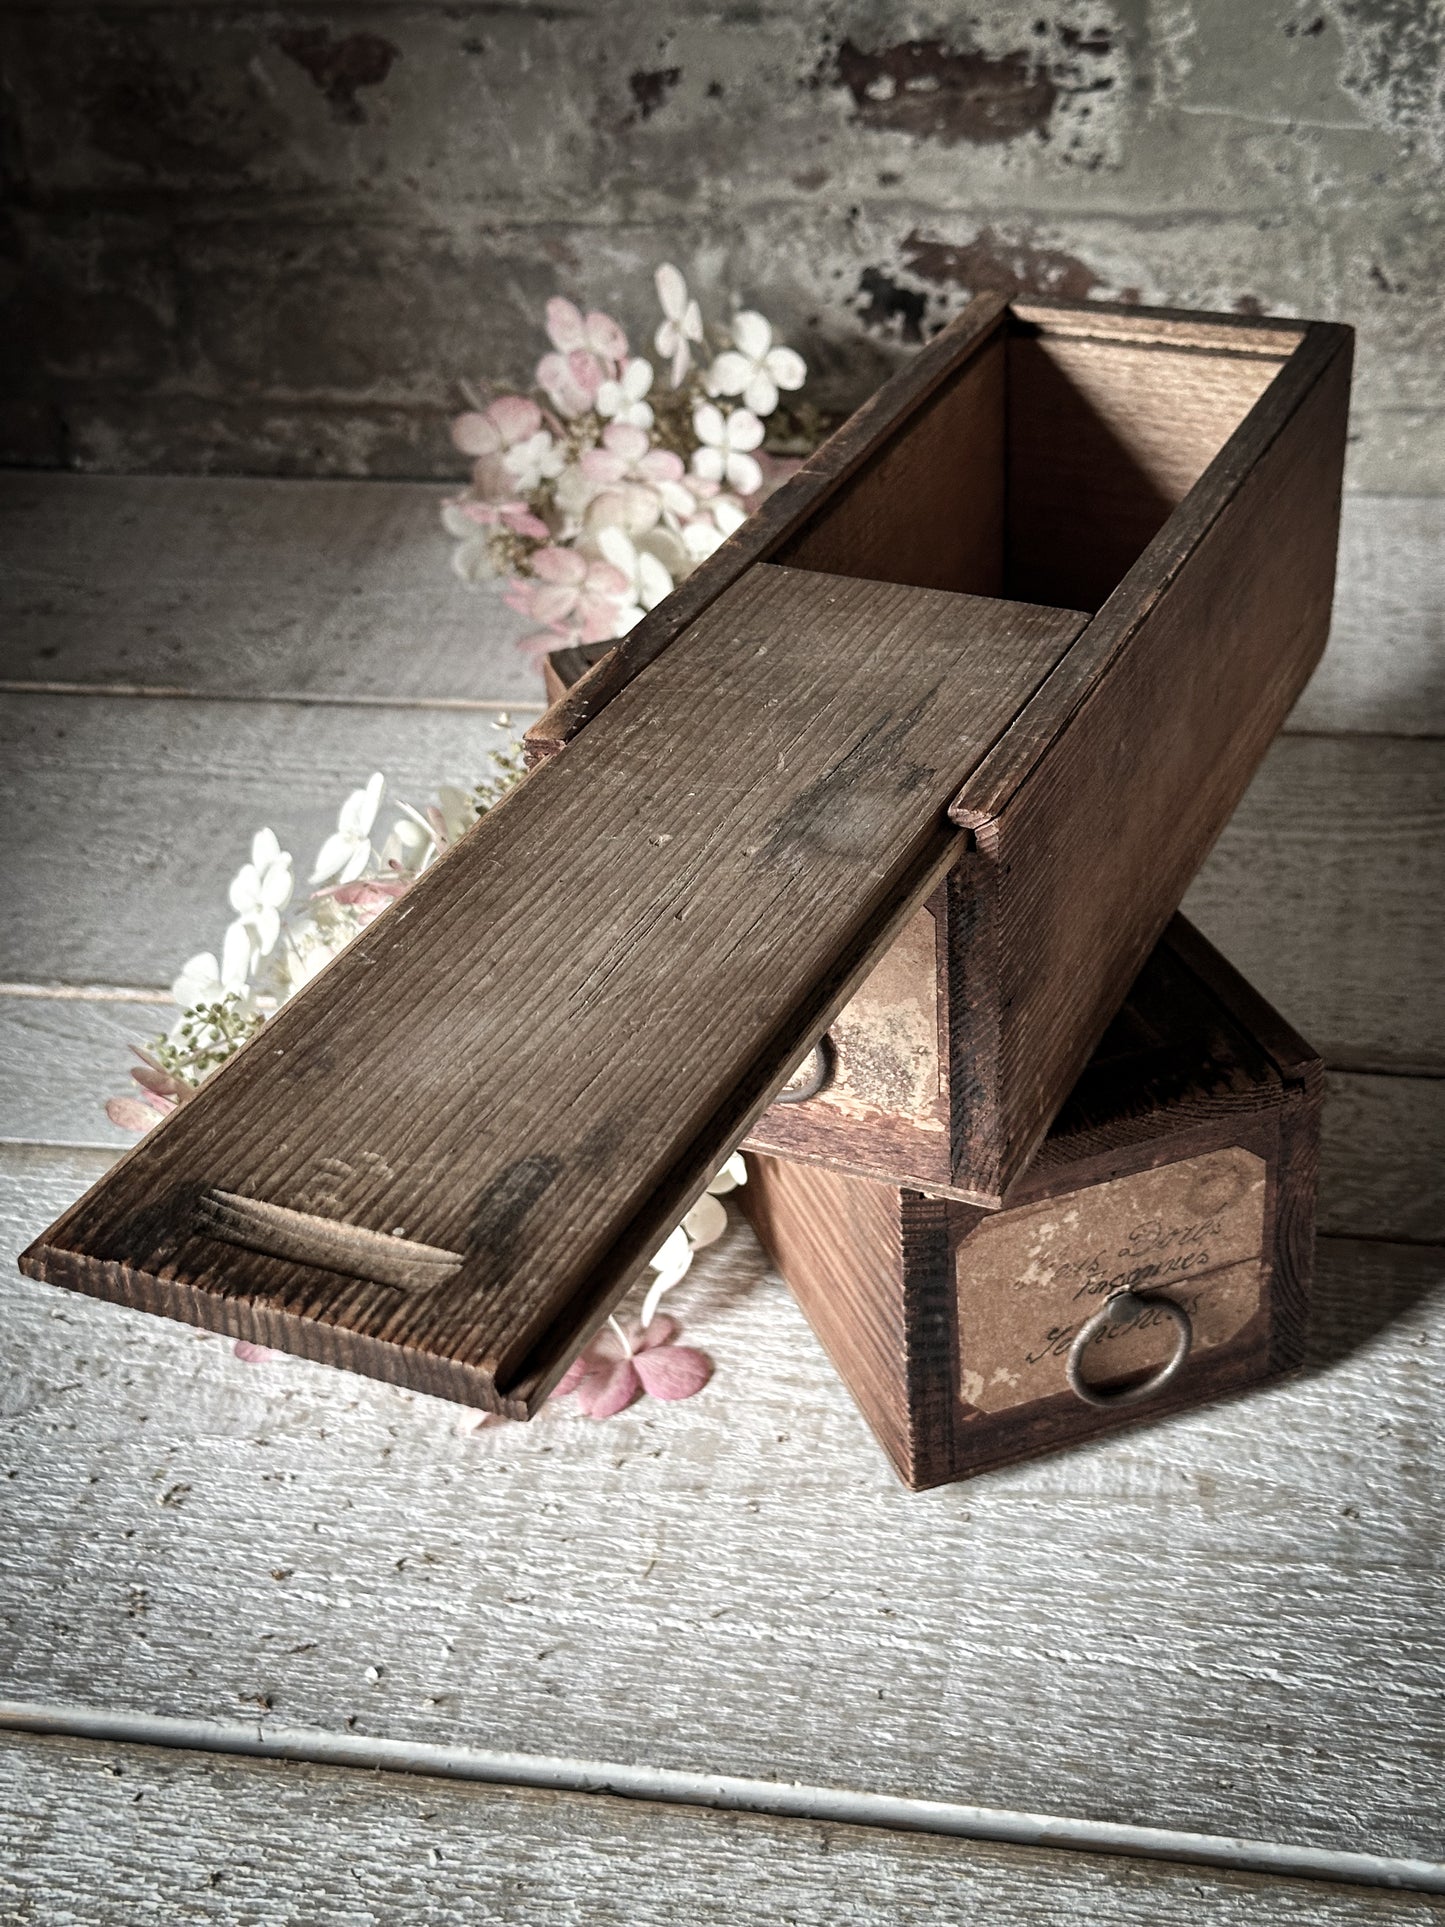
820,1065
1124,1306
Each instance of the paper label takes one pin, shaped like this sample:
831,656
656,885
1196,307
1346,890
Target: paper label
1029,1278
885,1041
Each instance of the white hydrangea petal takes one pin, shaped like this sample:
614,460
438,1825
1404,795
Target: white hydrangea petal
744,430
787,367
692,322
199,980
730,373
671,1264
705,1222
653,580
355,864
671,291
709,424
708,463
732,1174
752,333
473,561
760,395
277,883
236,957
744,474
617,548
267,925
637,378
728,515
244,889
334,852
265,849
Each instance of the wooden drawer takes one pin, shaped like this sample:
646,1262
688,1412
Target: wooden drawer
1019,634
1183,1166
1176,479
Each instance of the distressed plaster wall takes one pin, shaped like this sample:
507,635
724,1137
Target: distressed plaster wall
275,238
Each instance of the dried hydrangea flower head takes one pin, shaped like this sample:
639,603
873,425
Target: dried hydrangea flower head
634,473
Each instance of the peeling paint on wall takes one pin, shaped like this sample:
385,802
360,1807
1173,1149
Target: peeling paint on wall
1394,65
339,68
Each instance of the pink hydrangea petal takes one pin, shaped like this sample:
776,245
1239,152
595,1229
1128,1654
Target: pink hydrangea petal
518,595
250,1354
647,1338
559,565
470,1423
605,580
130,1113
661,465
627,440
573,1376
565,326
675,1371
599,620
606,336
553,602
475,434
515,417
586,371
521,521
601,465
604,1393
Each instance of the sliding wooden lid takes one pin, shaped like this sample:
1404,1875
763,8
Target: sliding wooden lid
446,1159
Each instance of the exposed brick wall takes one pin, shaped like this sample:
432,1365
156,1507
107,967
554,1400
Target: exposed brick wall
276,238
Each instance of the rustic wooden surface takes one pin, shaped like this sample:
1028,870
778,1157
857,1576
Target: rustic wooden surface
120,1834
1232,1622
681,907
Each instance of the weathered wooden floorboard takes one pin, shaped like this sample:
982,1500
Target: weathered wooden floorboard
108,1835
243,587
264,588
1385,665
127,818
1324,890
1327,878
1383,1150
1233,1622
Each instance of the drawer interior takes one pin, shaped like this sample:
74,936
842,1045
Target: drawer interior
1045,466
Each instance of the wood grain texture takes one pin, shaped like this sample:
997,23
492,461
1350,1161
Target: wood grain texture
1197,659
1324,889
741,850
737,1583
928,506
241,587
1191,1138
186,785
1105,440
1385,665
1192,499
104,1836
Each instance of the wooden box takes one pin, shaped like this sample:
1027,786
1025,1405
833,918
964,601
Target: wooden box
1182,1167
1023,629
1176,479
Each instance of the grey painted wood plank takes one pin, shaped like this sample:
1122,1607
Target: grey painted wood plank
1325,888
1385,664
114,1834
263,587
1382,1157
122,878
1232,1622
125,820
242,587
1383,1151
